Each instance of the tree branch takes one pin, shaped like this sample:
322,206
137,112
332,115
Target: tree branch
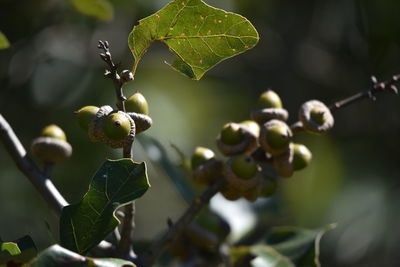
377,87
40,180
158,247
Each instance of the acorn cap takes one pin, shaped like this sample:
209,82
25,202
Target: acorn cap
248,144
264,134
230,193
310,124
263,115
142,121
96,126
283,163
253,194
50,149
238,183
207,172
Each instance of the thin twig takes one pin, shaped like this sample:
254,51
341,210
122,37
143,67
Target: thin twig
41,182
112,73
377,87
158,247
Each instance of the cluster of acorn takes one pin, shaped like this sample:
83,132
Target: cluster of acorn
258,146
103,124
116,128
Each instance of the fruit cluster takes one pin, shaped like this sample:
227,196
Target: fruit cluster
116,128
261,149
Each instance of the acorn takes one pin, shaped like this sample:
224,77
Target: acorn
275,137
316,117
283,163
52,145
137,107
251,126
113,128
242,175
269,107
302,157
236,139
205,167
85,116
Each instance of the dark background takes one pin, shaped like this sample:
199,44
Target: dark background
325,49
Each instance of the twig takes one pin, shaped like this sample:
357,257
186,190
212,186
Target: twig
112,73
158,247
41,181
377,87
124,248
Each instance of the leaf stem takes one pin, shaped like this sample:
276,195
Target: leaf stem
158,247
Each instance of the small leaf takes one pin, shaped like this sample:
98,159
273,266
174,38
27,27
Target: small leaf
269,257
18,251
4,43
56,256
116,183
100,9
297,243
201,36
259,256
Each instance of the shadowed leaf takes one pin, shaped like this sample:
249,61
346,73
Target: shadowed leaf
201,36
100,9
116,183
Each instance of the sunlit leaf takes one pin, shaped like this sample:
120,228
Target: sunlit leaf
4,43
18,251
201,36
258,256
116,183
100,9
56,256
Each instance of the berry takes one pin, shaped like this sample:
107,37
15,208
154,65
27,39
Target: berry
116,126
269,99
200,156
244,167
85,116
231,134
53,131
137,103
302,156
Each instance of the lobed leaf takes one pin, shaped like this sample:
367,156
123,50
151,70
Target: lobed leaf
56,256
116,183
201,36
100,9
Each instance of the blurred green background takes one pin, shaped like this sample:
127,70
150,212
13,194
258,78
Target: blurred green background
321,49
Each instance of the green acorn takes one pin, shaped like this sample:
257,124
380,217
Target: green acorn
116,126
244,167
269,99
231,134
85,116
200,156
137,103
53,131
302,157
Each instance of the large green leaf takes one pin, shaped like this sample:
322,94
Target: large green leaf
18,251
56,256
298,244
100,9
4,43
201,36
116,183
